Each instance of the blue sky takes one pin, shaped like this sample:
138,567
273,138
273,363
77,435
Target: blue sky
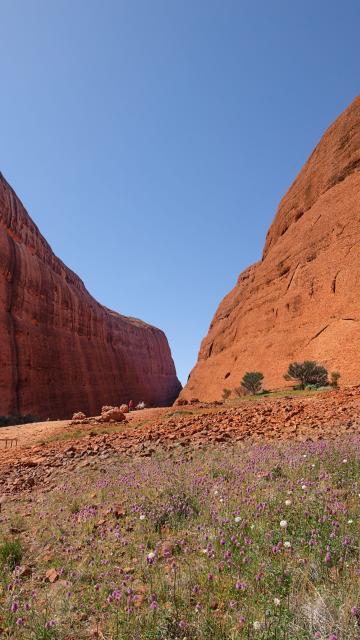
151,140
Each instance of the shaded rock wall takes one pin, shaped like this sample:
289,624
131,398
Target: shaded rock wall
302,300
60,350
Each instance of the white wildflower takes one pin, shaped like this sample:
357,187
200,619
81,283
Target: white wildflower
283,524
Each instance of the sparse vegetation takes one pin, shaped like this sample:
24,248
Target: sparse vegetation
10,554
226,394
240,391
334,381
258,542
252,381
307,373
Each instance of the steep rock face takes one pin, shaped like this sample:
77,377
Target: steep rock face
302,300
60,350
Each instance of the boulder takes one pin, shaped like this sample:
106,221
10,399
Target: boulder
112,414
79,415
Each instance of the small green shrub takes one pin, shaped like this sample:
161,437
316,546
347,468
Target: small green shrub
252,381
10,554
75,507
307,373
226,394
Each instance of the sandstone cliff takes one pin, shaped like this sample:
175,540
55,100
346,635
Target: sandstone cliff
302,301
60,350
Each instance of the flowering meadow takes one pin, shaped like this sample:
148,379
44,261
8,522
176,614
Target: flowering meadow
247,542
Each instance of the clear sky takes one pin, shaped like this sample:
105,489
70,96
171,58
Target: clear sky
151,140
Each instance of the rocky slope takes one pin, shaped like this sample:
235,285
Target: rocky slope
61,350
323,416
302,299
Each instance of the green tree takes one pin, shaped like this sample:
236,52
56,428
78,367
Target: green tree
252,381
307,372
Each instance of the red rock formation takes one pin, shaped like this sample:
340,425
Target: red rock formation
302,301
60,350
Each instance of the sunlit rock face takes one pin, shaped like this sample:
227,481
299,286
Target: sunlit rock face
302,300
60,350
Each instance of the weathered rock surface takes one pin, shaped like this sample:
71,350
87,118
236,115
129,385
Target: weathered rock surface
112,414
302,300
60,350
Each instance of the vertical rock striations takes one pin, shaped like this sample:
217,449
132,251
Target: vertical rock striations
60,350
302,300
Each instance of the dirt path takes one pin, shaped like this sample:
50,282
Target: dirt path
29,434
36,432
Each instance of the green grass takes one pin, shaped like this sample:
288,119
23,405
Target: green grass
10,554
81,432
281,393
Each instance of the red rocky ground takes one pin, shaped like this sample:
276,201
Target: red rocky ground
176,432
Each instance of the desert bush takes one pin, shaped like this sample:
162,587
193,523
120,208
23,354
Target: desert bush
226,394
334,380
307,373
252,381
240,391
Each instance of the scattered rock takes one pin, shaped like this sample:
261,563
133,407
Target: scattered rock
79,415
112,414
52,575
